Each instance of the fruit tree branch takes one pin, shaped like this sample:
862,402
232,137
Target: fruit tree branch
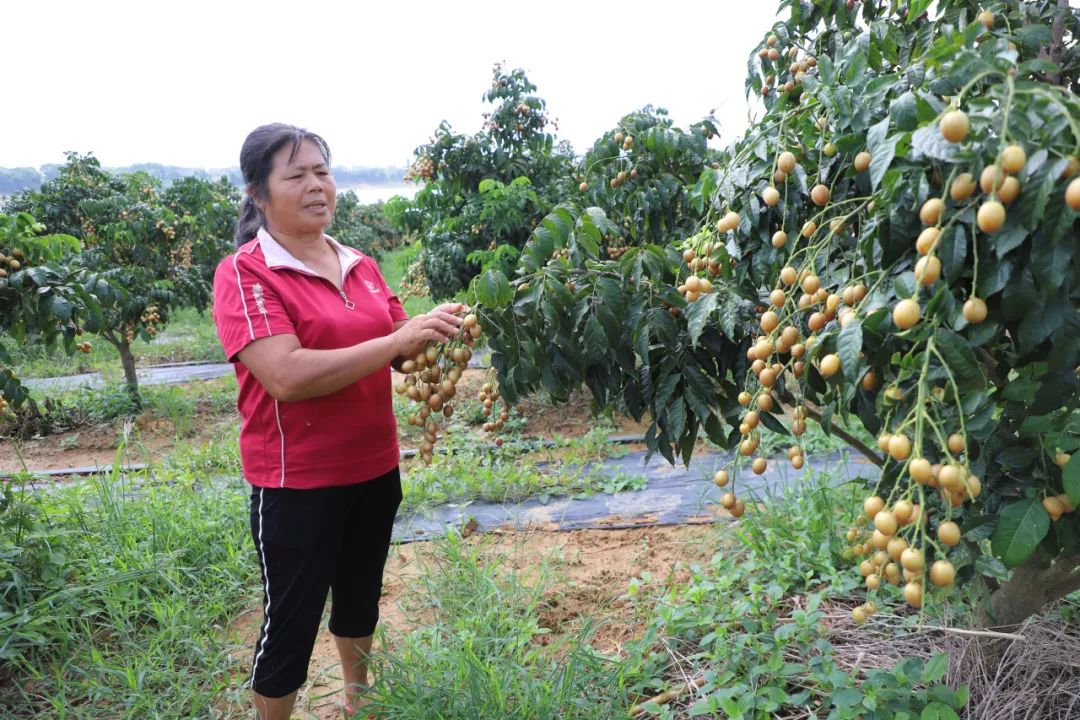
844,435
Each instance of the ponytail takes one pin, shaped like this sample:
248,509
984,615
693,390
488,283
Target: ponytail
251,219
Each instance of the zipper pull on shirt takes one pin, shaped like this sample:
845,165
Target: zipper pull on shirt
349,304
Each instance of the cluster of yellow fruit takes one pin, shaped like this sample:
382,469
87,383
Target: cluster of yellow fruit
728,500
489,395
422,169
431,380
1058,505
14,262
167,230
773,57
951,476
890,558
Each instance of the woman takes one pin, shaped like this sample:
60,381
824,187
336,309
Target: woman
312,330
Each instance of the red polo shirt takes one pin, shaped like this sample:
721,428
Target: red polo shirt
346,437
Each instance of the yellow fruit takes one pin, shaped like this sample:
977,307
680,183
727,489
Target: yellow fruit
962,187
928,240
987,19
769,321
786,162
886,523
904,511
744,398
912,559
583,187
942,573
779,239
830,365
906,314
872,506
858,615
873,581
862,161
1072,194
771,196
728,500
820,195
721,478
896,546
869,380
928,270
788,275
930,213
899,447
991,216
1009,190
913,594
811,284
759,465
1054,507
949,478
954,125
920,470
949,533
1062,459
975,310
991,178
1013,159
738,509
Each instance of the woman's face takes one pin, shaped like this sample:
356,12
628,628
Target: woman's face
302,193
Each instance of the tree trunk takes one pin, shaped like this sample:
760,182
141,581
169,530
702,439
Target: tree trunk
1031,587
128,361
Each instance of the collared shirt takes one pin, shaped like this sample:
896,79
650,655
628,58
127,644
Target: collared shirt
346,437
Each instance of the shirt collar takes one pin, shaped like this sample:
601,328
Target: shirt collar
276,255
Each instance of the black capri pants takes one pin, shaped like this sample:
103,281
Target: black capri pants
310,542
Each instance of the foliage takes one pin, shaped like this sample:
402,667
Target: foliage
484,191
477,653
43,296
765,648
671,326
364,227
113,594
157,248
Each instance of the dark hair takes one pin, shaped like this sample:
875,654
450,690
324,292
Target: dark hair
256,162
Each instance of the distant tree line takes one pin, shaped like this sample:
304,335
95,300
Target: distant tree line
13,180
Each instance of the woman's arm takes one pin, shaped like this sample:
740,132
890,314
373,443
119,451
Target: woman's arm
290,372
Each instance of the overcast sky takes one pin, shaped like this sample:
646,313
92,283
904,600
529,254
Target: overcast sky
182,83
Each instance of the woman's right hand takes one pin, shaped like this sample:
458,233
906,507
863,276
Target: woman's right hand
433,326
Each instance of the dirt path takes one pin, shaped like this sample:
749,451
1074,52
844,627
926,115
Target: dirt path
592,571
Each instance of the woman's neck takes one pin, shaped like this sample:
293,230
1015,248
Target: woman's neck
303,247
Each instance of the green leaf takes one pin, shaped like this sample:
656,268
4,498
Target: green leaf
849,345
936,668
769,420
1021,527
697,316
882,151
1070,476
595,341
493,289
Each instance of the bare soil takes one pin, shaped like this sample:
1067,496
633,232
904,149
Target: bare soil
589,573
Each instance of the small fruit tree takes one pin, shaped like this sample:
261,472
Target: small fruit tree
156,247
893,244
483,193
44,296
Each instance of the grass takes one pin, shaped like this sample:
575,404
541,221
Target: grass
189,336
114,604
477,654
